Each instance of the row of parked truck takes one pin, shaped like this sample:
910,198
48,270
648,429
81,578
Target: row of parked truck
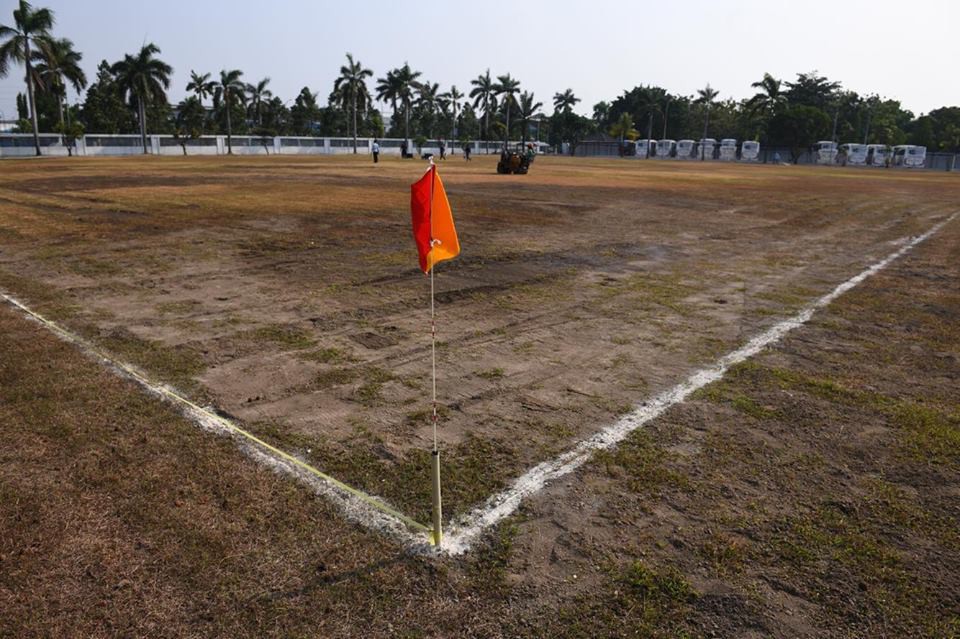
707,148
906,155
824,152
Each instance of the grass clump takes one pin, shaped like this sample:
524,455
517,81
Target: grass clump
643,462
488,568
725,554
751,407
724,392
648,585
641,601
326,356
334,377
175,364
374,378
491,374
287,336
928,434
660,290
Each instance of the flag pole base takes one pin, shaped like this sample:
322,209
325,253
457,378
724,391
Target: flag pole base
436,535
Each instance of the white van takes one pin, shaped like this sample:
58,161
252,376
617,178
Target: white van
825,152
910,156
877,154
642,148
685,149
705,149
856,154
728,150
749,151
665,148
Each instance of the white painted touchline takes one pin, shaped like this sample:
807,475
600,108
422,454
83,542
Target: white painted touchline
467,529
367,510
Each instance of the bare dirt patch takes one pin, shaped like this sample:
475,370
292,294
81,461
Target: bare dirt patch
588,284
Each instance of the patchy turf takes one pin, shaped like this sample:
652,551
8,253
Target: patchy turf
811,492
814,488
285,290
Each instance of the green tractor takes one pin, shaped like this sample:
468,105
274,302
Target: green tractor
516,160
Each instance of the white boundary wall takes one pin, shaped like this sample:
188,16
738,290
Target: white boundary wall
21,145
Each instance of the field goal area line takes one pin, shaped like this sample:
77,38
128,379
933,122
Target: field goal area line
375,514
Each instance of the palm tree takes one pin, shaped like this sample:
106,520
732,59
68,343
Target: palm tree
29,34
143,78
58,64
565,101
483,93
352,85
507,87
428,96
389,89
453,97
429,100
528,108
201,85
706,96
649,106
399,86
623,127
769,98
229,88
257,94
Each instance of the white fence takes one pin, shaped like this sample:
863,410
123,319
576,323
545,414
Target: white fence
21,145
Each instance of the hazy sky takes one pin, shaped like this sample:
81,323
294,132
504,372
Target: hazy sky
905,50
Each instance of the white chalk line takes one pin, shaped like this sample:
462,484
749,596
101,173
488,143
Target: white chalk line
366,510
467,529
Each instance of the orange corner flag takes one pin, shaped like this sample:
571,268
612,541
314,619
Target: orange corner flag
433,228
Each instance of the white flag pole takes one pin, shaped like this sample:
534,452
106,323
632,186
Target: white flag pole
435,454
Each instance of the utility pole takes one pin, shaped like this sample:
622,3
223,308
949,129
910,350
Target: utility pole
666,114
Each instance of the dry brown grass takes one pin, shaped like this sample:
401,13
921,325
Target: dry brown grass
285,291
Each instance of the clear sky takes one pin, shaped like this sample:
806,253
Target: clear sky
906,50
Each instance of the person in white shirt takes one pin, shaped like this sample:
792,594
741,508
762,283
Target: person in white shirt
376,151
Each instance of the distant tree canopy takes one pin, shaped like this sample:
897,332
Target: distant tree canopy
799,126
787,114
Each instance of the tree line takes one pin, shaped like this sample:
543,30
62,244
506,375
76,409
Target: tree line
130,96
792,114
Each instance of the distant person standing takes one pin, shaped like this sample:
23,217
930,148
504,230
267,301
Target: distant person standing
376,151
776,157
466,151
443,149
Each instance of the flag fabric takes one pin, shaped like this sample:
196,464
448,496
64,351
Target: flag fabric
433,228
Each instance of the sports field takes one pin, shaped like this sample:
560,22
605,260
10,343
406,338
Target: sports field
817,485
